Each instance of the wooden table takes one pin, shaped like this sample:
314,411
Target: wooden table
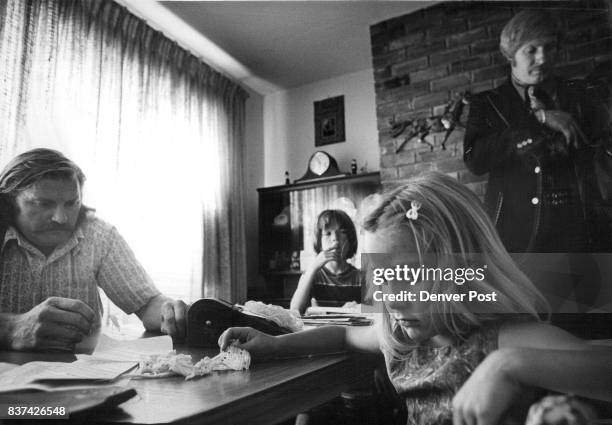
268,393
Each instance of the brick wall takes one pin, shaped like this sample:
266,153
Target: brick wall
422,59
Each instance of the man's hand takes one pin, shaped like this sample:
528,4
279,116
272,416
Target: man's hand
173,318
163,314
55,324
565,124
487,394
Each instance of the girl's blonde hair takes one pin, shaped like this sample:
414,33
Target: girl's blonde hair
452,227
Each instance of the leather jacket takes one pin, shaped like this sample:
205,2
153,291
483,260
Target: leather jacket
522,156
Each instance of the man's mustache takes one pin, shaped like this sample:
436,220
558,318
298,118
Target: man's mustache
55,227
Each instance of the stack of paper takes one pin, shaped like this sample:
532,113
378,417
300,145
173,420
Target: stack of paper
347,316
337,319
318,310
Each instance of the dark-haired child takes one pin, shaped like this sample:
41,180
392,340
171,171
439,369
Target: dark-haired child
330,277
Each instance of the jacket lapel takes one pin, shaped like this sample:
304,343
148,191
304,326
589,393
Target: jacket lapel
509,103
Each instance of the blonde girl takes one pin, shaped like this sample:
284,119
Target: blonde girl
453,361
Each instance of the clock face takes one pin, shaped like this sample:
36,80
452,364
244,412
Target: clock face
319,163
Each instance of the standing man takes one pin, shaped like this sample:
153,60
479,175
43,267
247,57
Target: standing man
536,136
55,254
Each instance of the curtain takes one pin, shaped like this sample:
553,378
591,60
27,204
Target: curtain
158,133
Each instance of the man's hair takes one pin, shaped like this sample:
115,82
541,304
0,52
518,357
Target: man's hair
525,26
341,220
27,169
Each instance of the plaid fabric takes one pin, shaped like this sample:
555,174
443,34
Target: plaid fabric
96,256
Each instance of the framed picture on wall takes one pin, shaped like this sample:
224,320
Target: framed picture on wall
329,121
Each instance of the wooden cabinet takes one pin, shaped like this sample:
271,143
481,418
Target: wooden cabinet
287,218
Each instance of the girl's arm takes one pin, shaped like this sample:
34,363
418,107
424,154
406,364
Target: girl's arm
326,339
532,355
542,355
301,296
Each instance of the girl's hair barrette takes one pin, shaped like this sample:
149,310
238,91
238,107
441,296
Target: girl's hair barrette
412,213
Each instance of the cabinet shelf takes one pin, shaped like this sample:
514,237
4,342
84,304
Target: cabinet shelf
280,229
282,273
317,183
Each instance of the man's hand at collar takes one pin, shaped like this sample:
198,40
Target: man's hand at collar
564,123
56,324
165,315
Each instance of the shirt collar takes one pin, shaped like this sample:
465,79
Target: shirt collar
13,234
549,85
520,88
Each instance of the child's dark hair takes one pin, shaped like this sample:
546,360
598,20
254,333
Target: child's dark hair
340,219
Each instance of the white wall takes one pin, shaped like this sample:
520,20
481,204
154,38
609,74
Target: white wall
289,126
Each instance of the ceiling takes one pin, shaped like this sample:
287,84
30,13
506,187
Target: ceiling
291,43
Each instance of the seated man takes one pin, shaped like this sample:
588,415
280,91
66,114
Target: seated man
55,254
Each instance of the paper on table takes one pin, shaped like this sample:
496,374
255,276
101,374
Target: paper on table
61,385
110,359
80,369
112,349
